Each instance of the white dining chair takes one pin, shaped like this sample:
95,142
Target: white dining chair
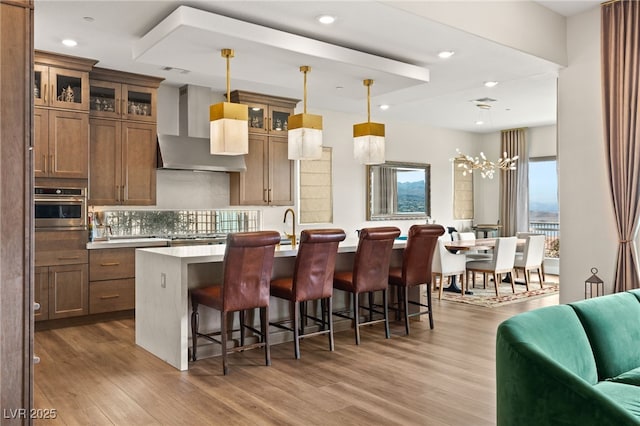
531,259
472,254
447,264
501,263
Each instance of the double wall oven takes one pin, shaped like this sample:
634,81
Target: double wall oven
60,208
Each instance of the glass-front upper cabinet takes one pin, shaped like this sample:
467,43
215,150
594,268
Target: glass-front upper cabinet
116,100
258,118
279,119
60,88
105,99
140,103
268,118
267,114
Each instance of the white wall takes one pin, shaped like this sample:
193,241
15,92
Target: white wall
588,234
411,142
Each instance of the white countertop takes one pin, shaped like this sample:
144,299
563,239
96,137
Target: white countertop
215,253
128,242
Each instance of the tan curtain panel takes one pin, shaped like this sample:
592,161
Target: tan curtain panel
387,202
620,40
514,184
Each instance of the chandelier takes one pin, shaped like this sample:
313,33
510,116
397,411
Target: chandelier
487,168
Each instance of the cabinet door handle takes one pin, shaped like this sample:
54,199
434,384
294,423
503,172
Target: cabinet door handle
264,195
110,264
51,161
45,163
269,195
118,105
68,257
44,94
111,296
36,359
36,306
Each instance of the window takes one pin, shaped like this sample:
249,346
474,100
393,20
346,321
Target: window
543,202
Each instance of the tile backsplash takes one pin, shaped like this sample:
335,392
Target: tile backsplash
177,222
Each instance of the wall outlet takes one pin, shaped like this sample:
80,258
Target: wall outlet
163,280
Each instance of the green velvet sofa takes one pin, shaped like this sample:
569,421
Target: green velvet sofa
574,364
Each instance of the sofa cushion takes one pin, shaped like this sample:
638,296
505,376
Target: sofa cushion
636,293
557,332
628,396
612,324
630,377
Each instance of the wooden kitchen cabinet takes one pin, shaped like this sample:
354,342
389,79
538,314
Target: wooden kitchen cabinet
60,144
61,120
61,81
122,163
267,114
126,101
269,178
111,280
122,141
61,274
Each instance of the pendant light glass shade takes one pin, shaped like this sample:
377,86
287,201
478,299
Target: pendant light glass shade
305,131
368,138
229,128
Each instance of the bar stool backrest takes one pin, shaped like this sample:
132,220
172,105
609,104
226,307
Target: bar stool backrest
373,256
248,263
315,263
418,254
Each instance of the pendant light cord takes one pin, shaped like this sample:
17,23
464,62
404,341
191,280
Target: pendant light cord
368,83
228,54
305,69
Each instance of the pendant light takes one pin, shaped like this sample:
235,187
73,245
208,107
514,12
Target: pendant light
368,138
305,131
229,122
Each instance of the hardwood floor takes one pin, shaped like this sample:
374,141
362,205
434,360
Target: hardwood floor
95,374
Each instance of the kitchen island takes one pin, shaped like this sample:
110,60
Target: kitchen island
164,276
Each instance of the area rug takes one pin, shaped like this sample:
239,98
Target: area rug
487,297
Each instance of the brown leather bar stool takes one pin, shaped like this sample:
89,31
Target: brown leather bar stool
416,269
370,274
247,268
312,280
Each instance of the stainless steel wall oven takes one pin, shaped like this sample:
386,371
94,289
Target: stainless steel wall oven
60,208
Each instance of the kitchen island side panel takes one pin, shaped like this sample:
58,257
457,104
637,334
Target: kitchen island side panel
161,307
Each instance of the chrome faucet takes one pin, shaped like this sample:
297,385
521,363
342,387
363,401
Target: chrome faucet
291,237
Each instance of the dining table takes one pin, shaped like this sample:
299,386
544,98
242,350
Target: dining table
479,244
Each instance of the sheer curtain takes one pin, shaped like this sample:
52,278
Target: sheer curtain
514,185
620,41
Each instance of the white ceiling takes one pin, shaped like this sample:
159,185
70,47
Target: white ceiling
368,40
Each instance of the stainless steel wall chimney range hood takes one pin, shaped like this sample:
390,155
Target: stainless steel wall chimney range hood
190,149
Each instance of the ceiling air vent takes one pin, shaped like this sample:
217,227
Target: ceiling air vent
175,70
484,100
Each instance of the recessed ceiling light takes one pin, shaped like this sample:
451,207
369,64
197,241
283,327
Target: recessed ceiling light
479,122
446,54
69,43
339,87
326,19
88,18
384,107
490,83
